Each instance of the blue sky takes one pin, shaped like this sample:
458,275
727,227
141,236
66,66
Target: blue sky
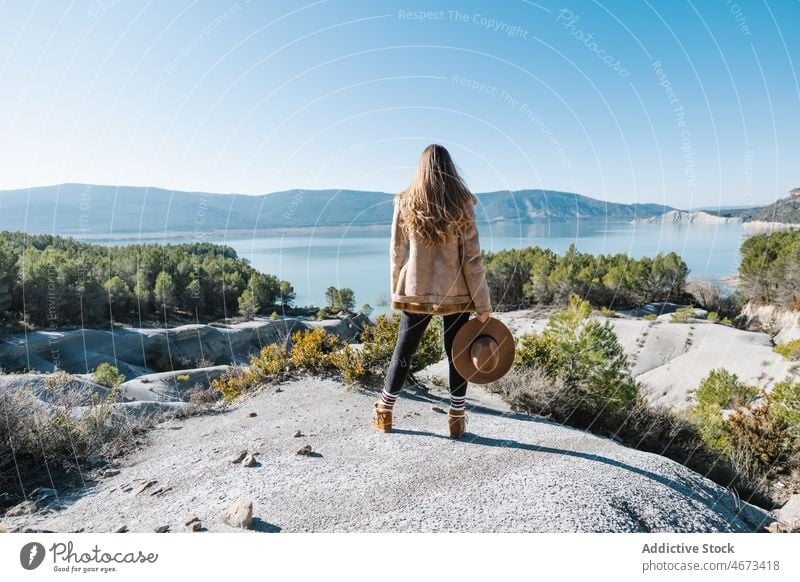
687,103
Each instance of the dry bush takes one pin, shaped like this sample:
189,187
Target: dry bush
202,399
43,443
761,441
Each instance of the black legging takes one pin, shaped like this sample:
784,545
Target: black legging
412,327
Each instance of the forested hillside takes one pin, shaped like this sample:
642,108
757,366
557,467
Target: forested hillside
770,268
533,275
52,281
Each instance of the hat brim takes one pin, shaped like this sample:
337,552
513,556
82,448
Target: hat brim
468,333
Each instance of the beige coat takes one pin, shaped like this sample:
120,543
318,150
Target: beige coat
444,279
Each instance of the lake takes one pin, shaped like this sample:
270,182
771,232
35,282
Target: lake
360,260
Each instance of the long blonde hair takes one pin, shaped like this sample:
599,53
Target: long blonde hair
436,203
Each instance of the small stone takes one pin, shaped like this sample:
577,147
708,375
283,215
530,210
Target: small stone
24,508
121,529
252,415
3,528
297,434
143,486
237,457
162,529
278,389
438,409
239,514
304,450
195,526
190,519
249,461
110,473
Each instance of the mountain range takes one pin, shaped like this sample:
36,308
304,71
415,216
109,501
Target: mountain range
85,209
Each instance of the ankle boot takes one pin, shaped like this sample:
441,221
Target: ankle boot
382,418
457,422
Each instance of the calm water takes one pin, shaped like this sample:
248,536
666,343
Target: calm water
360,261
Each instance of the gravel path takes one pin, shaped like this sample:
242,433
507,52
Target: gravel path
510,473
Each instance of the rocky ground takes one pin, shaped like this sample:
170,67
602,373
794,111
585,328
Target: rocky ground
302,457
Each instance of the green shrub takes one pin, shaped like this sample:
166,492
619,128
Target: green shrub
248,304
650,317
182,377
268,365
726,321
682,315
379,341
271,360
786,401
158,357
310,349
350,363
584,354
233,383
322,313
719,390
107,375
790,350
713,316
724,390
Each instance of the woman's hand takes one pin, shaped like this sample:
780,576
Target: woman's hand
482,317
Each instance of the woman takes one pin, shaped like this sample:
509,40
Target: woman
436,270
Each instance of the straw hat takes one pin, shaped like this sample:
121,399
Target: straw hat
483,352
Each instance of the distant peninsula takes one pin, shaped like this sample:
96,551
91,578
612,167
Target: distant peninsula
687,217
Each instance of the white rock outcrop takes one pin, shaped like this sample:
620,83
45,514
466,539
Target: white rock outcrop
687,217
